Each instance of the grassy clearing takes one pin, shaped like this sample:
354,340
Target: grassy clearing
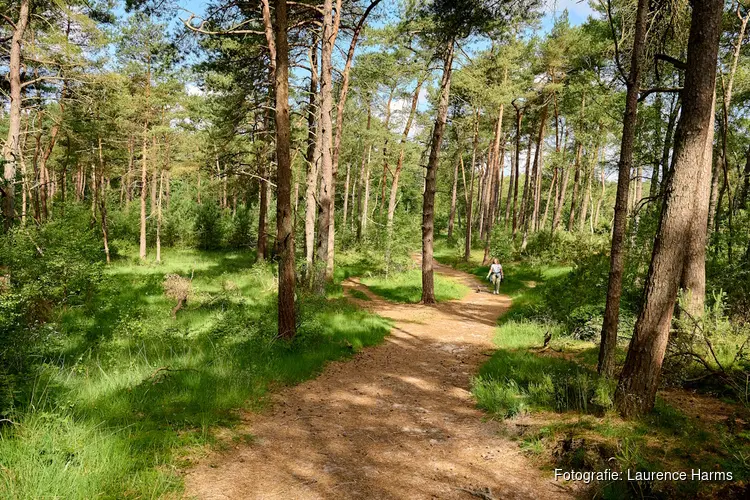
130,393
403,284
406,287
570,407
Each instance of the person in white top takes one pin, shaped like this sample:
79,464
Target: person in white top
495,275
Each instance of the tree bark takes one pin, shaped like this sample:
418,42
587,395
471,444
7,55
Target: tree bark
452,214
537,172
576,187
103,204
325,197
636,390
346,196
363,190
428,206
144,190
311,184
284,217
693,279
470,198
608,345
11,150
519,119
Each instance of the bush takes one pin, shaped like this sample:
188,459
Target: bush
58,264
241,232
565,247
209,229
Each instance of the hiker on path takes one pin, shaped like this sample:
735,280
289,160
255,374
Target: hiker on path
495,275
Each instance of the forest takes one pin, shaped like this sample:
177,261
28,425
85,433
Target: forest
249,249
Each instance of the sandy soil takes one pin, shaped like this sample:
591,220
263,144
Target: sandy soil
396,421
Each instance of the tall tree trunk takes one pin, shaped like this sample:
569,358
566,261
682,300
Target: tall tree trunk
537,173
325,197
144,190
284,218
346,196
312,156
636,390
11,150
586,199
525,197
159,216
470,198
103,202
397,173
428,205
576,187
600,200
364,182
693,278
617,254
452,214
499,166
552,184
519,119
261,247
745,181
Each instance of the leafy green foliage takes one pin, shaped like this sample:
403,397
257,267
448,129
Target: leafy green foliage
209,227
128,389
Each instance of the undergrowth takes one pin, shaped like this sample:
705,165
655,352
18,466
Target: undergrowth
545,367
126,394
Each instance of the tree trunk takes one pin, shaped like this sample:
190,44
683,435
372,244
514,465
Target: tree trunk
312,156
284,217
262,243
470,198
586,199
617,254
519,119
525,197
103,203
499,161
325,197
537,172
552,185
144,188
693,279
159,216
636,390
346,196
363,193
576,187
397,173
745,181
452,214
428,206
11,150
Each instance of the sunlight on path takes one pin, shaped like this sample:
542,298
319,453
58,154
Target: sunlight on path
396,421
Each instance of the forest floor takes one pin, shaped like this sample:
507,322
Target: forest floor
397,420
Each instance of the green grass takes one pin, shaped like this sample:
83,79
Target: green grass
358,294
520,377
126,392
407,287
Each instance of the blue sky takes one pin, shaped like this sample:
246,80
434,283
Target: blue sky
578,10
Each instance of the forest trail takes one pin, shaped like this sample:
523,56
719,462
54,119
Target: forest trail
396,421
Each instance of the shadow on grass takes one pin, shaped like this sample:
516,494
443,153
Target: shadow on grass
140,386
406,287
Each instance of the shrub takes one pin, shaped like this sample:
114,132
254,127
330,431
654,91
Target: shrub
241,235
209,230
57,264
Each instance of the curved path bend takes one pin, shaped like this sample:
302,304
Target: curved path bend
395,421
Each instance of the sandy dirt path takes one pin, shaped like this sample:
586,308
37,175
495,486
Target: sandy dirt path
396,421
